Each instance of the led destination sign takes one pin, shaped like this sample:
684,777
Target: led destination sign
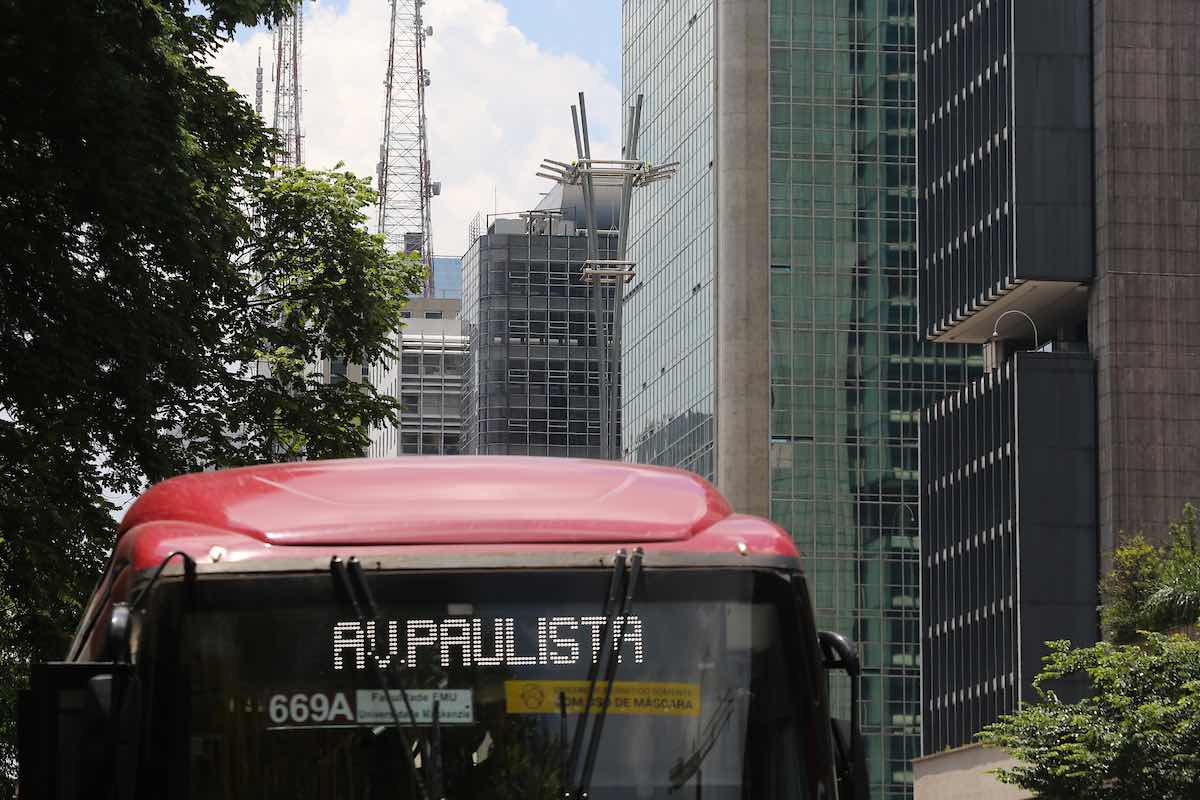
473,641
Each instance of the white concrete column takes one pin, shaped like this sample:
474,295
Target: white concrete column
743,269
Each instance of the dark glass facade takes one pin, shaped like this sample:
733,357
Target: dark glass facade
965,192
1056,151
531,384
849,373
1005,189
1008,510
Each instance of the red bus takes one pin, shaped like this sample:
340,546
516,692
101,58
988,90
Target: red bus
443,627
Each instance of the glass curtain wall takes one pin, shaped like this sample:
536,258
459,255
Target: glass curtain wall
848,370
667,360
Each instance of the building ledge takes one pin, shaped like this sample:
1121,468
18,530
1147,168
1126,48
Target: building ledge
1048,303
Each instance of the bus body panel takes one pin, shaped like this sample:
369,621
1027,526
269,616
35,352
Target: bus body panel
442,500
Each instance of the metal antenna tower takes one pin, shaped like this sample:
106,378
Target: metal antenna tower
289,91
607,276
403,169
258,85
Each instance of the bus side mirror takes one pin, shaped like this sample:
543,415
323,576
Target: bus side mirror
77,731
840,654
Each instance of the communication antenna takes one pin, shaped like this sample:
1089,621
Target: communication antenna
289,91
403,170
258,86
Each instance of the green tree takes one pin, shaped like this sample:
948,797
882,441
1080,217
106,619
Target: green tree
1153,588
1136,736
137,300
1175,601
1136,574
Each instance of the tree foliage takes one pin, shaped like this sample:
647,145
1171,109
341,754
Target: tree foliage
1136,736
138,302
1136,733
1153,588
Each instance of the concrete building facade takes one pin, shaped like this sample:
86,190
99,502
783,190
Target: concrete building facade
1144,303
1059,190
427,379
794,120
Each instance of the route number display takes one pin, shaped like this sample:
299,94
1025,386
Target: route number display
286,710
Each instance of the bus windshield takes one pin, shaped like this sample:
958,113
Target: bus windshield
265,688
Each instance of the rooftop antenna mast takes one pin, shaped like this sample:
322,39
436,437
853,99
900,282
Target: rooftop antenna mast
258,86
289,91
405,188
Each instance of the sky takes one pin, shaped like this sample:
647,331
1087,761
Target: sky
504,75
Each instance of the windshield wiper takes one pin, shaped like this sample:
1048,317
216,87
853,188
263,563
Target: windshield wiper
684,769
435,751
621,587
354,583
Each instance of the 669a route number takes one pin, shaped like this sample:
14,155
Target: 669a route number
304,708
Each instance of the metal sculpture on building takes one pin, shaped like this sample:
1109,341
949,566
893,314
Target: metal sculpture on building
607,277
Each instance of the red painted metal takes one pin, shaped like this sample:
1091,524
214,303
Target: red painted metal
426,504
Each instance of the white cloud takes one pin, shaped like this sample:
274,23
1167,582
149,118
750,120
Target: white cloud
498,103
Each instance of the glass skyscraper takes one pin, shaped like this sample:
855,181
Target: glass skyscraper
830,184
667,360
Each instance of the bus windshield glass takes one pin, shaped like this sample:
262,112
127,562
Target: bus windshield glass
267,687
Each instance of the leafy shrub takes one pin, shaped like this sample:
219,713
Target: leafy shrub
1153,588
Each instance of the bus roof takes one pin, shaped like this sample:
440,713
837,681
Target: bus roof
449,500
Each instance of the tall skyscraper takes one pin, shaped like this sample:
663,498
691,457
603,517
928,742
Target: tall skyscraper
1059,196
532,382
667,366
773,323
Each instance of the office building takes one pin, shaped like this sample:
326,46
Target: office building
1059,192
668,369
531,385
772,334
427,379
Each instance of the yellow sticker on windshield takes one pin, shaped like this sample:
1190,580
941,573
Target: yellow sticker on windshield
628,697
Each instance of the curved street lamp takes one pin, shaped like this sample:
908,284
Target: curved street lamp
996,327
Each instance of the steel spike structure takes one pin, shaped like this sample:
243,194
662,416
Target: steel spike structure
403,170
289,88
607,277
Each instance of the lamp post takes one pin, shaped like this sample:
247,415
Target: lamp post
996,326
993,350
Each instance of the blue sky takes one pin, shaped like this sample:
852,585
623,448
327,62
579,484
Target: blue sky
590,29
504,75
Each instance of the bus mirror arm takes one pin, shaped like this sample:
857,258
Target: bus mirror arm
840,654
